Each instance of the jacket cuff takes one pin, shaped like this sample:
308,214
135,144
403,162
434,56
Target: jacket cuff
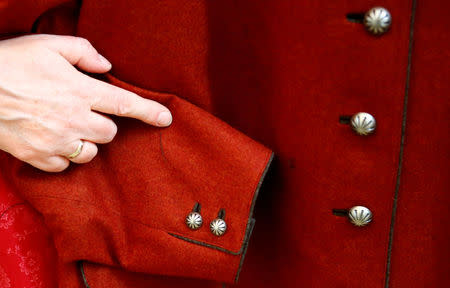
127,208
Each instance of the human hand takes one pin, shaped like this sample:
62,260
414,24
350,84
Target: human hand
47,106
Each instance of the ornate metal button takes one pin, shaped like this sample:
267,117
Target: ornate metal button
218,226
194,220
363,123
360,216
377,20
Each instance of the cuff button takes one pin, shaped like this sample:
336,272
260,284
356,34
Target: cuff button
194,220
218,226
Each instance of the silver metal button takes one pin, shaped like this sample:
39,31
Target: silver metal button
363,123
360,216
218,227
194,220
377,20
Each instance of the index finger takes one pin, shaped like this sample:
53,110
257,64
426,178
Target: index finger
110,99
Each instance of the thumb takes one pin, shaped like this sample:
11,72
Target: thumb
78,51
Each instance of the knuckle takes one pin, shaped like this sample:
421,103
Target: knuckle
45,145
84,43
123,107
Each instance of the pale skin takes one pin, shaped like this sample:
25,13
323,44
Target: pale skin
47,106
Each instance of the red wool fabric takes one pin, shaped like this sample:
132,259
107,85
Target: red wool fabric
422,227
282,73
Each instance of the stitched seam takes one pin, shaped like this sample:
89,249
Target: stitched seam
402,142
83,275
258,187
205,244
251,221
251,205
245,246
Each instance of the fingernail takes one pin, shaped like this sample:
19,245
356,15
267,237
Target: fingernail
104,60
164,119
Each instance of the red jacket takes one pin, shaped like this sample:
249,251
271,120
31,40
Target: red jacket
282,75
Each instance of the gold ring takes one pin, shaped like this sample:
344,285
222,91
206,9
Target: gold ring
78,151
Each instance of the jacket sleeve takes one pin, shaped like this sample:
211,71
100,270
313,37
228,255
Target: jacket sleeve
127,208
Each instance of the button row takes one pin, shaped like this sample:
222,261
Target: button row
377,21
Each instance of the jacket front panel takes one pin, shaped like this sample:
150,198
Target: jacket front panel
313,66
